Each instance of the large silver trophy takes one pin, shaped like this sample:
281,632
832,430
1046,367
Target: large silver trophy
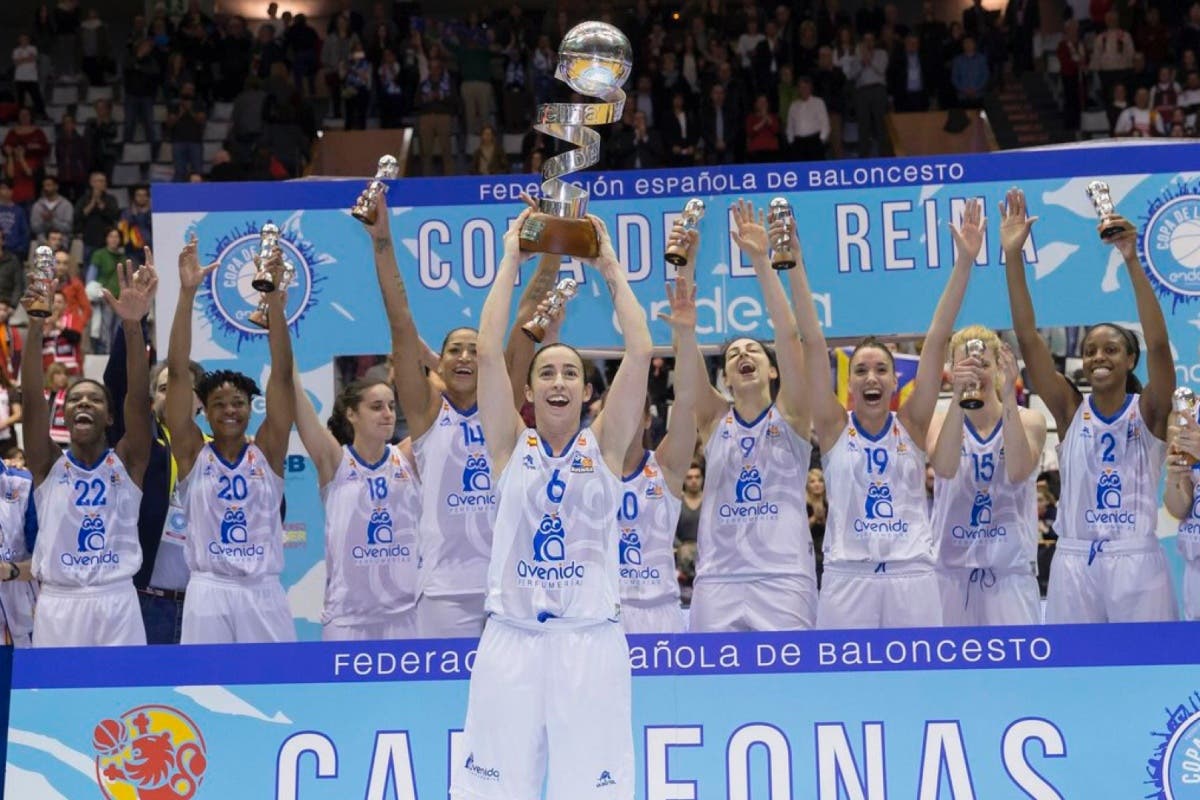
782,256
366,208
268,246
556,299
1106,210
261,316
680,252
972,397
1184,404
41,283
594,59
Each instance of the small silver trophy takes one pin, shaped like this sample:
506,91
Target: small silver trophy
261,316
1183,401
366,209
782,256
41,283
680,252
268,246
972,397
1098,193
556,299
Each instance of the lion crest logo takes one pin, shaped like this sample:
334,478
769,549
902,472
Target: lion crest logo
151,752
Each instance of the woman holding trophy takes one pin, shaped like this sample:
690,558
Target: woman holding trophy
879,559
984,450
1109,565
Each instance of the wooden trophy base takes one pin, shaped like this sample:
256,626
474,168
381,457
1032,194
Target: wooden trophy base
561,236
677,256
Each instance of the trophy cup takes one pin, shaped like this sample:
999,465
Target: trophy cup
261,316
594,60
557,297
972,398
1183,401
268,245
679,254
782,256
41,283
1097,192
366,208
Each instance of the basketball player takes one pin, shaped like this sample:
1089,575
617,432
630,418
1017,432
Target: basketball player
878,544
371,497
553,580
755,567
87,550
230,487
18,530
1109,565
1183,501
458,499
985,507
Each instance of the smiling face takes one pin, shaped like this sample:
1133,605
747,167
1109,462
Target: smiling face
557,386
816,483
458,367
747,365
1107,359
872,379
374,417
228,411
87,413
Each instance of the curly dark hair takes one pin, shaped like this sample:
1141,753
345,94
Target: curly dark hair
219,377
349,398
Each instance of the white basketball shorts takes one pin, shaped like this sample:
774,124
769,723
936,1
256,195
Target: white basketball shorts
220,610
891,594
88,616
1105,580
985,596
768,603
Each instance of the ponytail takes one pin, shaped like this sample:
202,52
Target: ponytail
338,422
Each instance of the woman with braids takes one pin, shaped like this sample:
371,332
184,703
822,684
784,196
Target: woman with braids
87,550
878,568
231,487
1109,565
372,500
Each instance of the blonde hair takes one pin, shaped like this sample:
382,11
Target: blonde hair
985,334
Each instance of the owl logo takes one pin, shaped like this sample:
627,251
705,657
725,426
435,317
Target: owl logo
549,543
91,534
379,527
476,477
233,526
981,509
749,486
630,548
1108,490
1196,507
879,501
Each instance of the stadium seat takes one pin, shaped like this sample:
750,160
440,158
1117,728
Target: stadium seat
512,143
122,195
95,93
136,152
127,175
216,130
222,112
1095,123
64,95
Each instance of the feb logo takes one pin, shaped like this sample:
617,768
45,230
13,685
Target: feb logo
1174,767
1170,241
228,298
151,752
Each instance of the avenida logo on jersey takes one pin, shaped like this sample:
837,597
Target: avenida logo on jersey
633,571
748,503
1108,509
878,514
476,494
1170,241
980,524
228,298
381,544
1174,767
91,545
549,568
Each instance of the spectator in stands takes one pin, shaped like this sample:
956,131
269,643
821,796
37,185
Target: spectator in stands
43,40
1047,509
815,503
1189,34
762,132
1189,99
356,90
95,213
14,222
25,152
436,109
267,52
908,81
346,12
969,75
517,101
1139,119
225,169
1153,38
489,157
720,130
807,124
648,151
26,84
101,134
471,50
95,48
1023,19
829,84
66,41
541,65
51,212
1117,104
142,74
71,157
391,91
102,274
233,48
693,496
1112,55
302,43
134,224
1164,95
12,273
335,56
1072,60
184,126
11,342
63,334
680,133
176,75
976,20
867,71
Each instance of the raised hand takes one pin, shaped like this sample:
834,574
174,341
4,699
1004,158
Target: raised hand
1015,224
682,298
137,288
1183,435
512,236
1126,240
191,274
750,232
688,241
967,374
968,235
1009,371
608,256
381,228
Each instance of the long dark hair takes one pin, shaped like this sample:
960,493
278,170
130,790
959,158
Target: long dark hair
1132,346
349,398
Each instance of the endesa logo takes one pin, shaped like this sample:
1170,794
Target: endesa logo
151,752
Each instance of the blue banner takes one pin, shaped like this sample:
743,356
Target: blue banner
1102,711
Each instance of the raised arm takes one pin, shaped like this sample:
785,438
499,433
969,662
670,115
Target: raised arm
1160,366
944,440
40,449
272,436
501,422
1056,391
417,395
137,286
828,416
709,404
519,352
621,418
1184,436
186,438
675,451
968,238
322,447
1024,431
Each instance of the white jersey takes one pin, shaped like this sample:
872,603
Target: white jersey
981,518
754,519
370,538
458,503
232,509
877,510
1188,540
555,554
17,598
647,516
1110,475
88,527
